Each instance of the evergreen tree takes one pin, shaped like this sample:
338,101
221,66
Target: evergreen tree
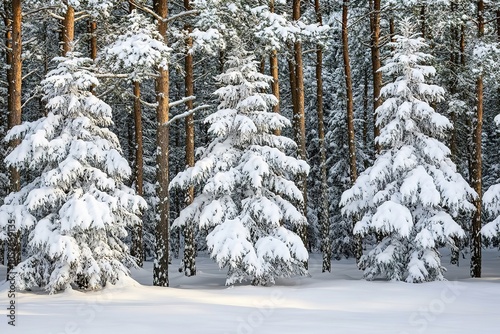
248,198
412,193
77,207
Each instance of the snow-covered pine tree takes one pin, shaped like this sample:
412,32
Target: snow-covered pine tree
248,197
412,193
77,206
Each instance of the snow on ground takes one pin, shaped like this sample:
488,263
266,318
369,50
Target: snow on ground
337,302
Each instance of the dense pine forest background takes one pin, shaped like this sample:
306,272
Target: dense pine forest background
255,131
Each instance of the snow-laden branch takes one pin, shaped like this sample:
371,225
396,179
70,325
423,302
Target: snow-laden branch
159,18
187,113
182,14
110,75
181,101
38,10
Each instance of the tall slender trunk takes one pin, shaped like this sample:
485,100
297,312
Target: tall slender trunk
365,117
136,154
160,272
455,251
392,27
189,242
475,264
350,109
299,119
273,66
14,118
137,233
68,30
262,66
8,62
324,221
93,39
92,28
376,63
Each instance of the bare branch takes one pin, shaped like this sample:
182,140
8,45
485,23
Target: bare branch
55,15
187,113
35,11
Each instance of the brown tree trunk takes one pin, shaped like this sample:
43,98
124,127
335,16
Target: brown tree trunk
392,27
68,30
93,39
14,118
273,66
455,251
189,243
299,118
324,221
137,249
498,24
92,27
365,117
350,109
475,264
376,64
160,275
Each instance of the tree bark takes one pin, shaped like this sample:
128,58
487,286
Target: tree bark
92,28
299,119
189,243
160,274
350,109
324,221
477,161
14,118
454,56
475,264
68,30
273,66
376,63
137,233
365,117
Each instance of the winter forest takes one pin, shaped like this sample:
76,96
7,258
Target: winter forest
268,139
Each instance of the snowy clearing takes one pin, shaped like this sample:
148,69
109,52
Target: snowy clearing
339,302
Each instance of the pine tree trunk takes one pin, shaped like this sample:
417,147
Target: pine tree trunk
189,243
365,118
262,68
14,118
273,66
376,64
324,221
92,27
137,249
350,109
299,119
8,62
455,251
475,264
68,30
93,39
160,275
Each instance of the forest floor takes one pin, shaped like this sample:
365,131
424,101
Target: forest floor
337,302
